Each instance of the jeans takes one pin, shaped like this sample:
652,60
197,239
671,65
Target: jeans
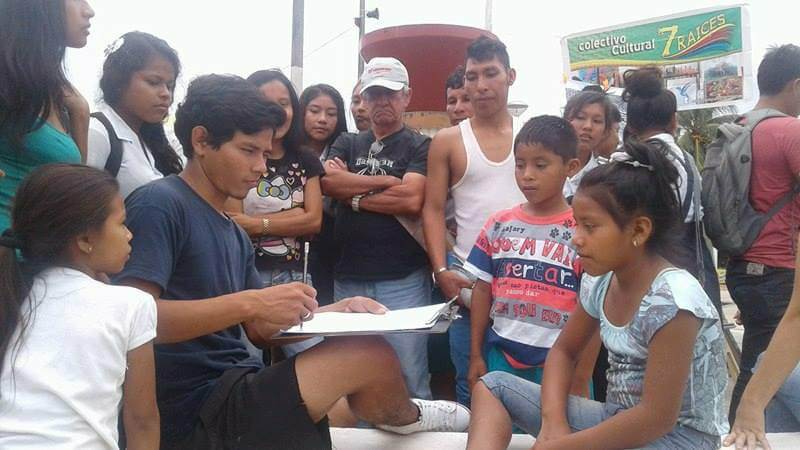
277,276
459,335
783,411
411,348
762,296
523,401
322,259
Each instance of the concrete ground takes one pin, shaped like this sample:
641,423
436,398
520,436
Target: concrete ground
363,439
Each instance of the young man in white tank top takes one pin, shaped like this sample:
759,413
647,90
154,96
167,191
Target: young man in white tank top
474,162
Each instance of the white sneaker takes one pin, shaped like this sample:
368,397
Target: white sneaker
435,415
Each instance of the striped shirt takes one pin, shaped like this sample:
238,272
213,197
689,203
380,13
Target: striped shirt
531,265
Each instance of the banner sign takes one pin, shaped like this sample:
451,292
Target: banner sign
704,55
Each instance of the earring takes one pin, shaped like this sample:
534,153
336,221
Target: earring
89,250
635,243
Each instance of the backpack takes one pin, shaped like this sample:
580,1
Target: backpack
114,161
729,218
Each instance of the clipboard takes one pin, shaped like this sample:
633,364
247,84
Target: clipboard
443,314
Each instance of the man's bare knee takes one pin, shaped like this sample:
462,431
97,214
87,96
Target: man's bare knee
359,349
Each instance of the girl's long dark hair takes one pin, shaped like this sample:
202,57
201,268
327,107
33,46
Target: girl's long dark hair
312,92
53,205
120,65
626,191
32,79
294,137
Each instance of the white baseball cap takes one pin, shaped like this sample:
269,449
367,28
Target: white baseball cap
386,72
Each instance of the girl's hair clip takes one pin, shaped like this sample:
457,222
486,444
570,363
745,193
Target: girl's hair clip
114,46
625,158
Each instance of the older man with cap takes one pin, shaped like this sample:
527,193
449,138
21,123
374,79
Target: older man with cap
379,176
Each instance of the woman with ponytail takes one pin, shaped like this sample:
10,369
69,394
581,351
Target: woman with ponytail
138,84
666,384
652,115
70,344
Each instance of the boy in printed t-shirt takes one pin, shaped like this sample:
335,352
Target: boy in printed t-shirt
528,276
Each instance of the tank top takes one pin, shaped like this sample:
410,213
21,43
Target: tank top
44,145
485,188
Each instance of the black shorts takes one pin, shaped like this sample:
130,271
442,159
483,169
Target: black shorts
257,409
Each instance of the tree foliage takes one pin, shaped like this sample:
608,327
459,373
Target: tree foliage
699,127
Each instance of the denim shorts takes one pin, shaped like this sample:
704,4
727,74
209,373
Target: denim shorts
782,414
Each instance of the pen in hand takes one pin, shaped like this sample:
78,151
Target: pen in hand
305,274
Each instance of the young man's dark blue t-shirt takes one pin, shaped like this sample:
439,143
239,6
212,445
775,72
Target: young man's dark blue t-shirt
192,252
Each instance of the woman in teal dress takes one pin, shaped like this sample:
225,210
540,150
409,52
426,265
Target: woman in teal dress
43,119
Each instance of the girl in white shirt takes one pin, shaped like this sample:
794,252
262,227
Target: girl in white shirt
71,345
138,83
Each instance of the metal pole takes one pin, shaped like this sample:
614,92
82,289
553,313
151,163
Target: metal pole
488,16
296,74
362,18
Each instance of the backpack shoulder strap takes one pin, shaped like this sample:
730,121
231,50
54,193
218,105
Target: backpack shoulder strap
729,130
753,119
690,184
757,115
787,197
683,160
114,161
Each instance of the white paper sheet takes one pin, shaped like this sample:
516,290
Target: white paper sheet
402,319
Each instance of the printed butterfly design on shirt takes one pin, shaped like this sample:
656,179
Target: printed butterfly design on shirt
276,187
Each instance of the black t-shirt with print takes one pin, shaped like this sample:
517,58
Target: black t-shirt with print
280,189
376,246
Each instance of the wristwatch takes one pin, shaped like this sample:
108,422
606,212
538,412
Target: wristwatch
355,201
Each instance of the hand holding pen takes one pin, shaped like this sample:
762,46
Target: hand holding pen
305,277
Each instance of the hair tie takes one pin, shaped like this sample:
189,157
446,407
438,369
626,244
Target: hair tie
624,158
114,46
9,239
